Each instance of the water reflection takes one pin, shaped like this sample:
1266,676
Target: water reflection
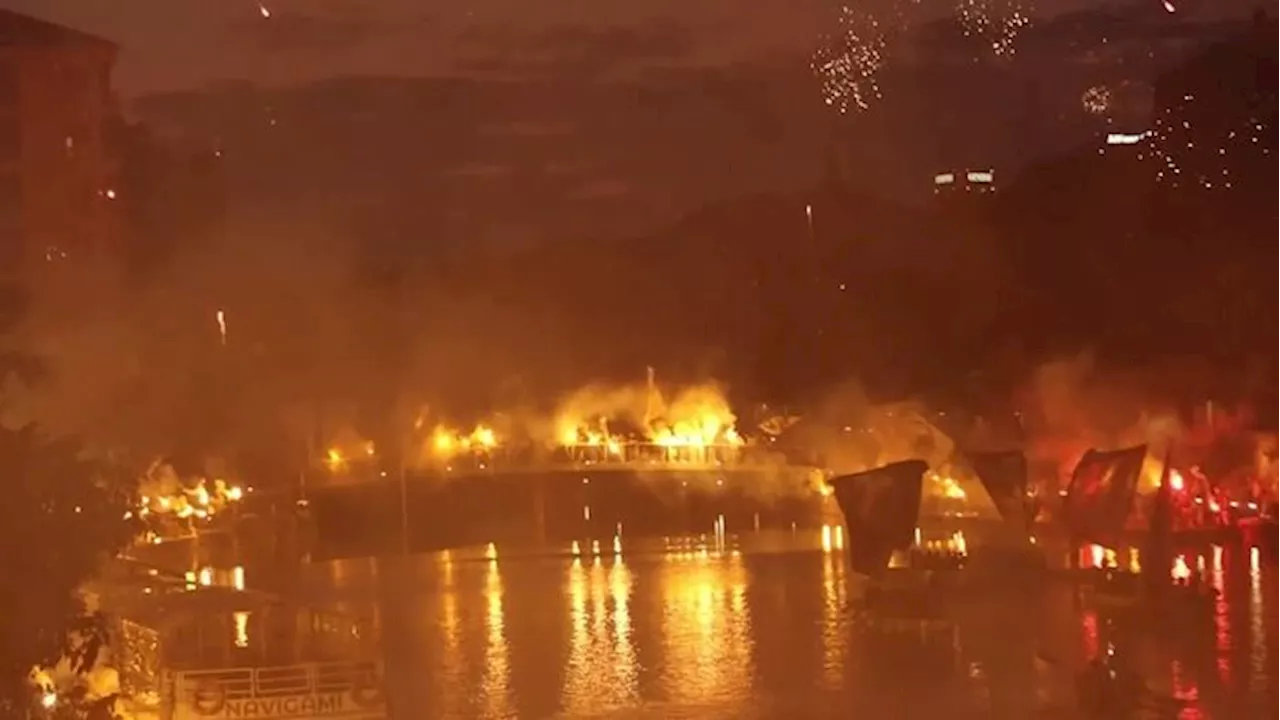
494,686
1221,621
450,644
1196,649
706,630
707,633
834,645
1257,628
625,667
602,671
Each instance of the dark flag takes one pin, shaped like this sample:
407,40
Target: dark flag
1101,494
1004,475
880,510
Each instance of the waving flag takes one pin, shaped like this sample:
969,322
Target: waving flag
1101,493
1004,475
880,510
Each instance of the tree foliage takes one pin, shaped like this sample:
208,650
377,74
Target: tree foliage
61,515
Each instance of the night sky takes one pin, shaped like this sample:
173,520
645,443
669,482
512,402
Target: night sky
183,44
619,118
176,44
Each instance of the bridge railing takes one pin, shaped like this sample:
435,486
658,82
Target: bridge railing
630,455
514,466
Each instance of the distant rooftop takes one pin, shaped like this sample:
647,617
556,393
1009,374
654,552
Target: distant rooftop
17,30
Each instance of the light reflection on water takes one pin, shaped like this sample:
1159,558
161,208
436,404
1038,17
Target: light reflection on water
833,604
1258,635
495,686
601,672
730,635
705,630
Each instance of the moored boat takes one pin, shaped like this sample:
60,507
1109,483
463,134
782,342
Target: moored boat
898,580
220,652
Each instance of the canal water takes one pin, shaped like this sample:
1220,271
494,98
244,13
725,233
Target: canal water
719,633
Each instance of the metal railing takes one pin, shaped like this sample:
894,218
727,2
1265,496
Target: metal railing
263,682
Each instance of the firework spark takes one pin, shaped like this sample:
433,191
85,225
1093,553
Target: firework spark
848,63
1190,153
997,23
1096,100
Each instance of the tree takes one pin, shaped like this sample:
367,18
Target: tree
61,515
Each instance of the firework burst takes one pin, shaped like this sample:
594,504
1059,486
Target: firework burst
848,63
1096,100
996,23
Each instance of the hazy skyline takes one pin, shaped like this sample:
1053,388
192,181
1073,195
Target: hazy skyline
185,44
167,44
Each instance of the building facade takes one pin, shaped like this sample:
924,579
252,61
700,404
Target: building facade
58,197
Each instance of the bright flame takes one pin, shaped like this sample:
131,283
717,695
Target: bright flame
335,460
697,419
446,443
948,487
169,497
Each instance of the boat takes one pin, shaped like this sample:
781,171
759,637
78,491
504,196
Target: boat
212,651
881,508
1005,478
1095,510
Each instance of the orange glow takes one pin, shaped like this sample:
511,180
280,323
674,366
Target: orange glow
694,426
335,460
446,443
1180,571
706,630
